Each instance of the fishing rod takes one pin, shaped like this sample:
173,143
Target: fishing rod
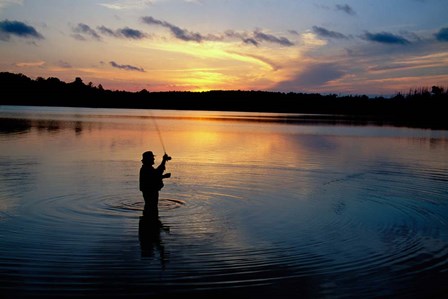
159,133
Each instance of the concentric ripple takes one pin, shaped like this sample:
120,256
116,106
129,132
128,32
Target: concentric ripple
218,243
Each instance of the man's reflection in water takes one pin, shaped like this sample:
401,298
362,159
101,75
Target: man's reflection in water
149,231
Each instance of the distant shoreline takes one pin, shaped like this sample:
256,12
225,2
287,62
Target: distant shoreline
421,108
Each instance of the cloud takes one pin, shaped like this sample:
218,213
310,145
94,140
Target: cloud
243,36
5,3
253,38
178,32
392,67
123,33
345,8
328,33
256,37
16,28
260,36
106,31
294,32
314,75
64,64
126,67
137,4
132,33
385,38
129,4
82,29
442,35
39,63
250,41
273,65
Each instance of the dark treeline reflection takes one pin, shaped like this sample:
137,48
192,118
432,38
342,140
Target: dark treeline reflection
24,126
20,126
15,126
421,107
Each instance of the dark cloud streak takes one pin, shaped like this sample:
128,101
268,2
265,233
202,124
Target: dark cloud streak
178,32
126,67
106,31
82,29
260,36
385,38
345,8
123,33
328,33
442,35
16,28
132,33
254,38
241,36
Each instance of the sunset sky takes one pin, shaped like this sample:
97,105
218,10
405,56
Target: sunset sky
375,47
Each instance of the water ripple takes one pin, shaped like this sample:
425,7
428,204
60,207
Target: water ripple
365,227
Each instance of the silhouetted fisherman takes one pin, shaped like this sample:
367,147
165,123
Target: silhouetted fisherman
151,182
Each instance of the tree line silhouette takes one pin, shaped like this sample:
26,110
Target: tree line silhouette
422,107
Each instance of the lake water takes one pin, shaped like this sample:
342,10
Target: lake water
256,206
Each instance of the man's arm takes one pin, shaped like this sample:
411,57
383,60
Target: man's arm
161,167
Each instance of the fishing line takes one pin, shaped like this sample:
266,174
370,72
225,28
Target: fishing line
158,131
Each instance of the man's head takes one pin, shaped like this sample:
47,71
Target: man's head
148,158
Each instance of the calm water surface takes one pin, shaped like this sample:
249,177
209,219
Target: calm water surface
256,206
